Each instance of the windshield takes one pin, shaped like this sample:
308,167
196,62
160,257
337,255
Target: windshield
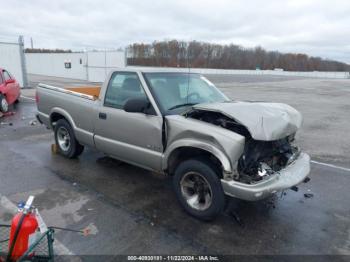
179,90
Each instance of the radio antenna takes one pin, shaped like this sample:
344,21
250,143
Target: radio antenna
188,73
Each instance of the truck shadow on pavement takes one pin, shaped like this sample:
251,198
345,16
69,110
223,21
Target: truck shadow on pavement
149,198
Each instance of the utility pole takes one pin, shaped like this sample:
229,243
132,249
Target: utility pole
23,61
31,43
105,62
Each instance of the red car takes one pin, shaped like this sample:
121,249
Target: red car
10,90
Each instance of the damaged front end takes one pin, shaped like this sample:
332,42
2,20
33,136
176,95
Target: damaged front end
265,166
261,159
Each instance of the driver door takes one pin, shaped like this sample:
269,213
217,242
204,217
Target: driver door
11,88
132,137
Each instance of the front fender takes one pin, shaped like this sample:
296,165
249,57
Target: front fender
188,142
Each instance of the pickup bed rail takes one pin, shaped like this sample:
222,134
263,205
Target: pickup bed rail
67,91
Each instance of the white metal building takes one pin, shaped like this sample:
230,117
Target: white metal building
91,66
53,64
100,63
12,58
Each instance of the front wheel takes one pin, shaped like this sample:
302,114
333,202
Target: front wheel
198,188
65,139
4,106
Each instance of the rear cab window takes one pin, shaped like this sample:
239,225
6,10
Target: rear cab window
121,87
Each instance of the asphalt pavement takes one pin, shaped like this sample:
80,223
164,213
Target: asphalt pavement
132,211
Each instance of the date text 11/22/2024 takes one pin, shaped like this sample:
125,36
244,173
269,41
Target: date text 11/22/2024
173,258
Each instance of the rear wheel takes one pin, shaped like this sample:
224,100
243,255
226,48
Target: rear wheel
65,139
198,188
4,106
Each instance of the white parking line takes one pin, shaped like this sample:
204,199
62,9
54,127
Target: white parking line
29,98
330,165
59,248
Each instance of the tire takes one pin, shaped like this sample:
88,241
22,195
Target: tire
4,106
66,142
199,177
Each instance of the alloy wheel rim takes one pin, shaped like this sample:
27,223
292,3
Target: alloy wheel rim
196,191
63,138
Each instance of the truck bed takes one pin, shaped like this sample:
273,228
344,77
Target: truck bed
76,104
86,90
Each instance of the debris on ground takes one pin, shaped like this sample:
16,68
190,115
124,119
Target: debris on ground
237,218
91,229
308,195
294,188
154,214
33,122
10,113
283,193
307,179
6,124
215,229
271,203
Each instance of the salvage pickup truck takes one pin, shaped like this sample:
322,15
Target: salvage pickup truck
180,124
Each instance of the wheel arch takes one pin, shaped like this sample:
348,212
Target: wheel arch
183,151
57,114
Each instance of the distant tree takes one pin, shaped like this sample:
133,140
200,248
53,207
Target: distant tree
174,53
44,50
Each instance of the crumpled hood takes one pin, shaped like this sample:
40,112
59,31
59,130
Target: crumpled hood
264,121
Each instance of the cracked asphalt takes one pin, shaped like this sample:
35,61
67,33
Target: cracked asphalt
134,211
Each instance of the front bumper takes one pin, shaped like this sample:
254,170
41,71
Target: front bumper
290,176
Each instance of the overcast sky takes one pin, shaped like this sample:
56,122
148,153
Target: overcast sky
316,27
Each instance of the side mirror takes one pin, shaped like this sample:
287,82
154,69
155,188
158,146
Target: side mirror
137,105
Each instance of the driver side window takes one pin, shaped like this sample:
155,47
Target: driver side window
121,87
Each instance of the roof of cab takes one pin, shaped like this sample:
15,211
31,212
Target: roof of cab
155,70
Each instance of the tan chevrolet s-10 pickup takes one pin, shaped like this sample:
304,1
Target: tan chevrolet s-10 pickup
180,124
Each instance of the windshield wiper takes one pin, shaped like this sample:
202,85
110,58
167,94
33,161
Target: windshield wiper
181,105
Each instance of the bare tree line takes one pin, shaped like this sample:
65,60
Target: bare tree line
206,55
46,50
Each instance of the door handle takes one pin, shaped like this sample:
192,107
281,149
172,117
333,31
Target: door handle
102,115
